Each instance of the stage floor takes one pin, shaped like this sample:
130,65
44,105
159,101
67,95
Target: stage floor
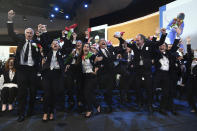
122,119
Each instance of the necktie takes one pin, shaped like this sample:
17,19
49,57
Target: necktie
27,52
140,48
129,57
107,52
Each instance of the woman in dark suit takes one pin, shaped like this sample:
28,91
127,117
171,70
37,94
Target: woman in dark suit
9,88
89,68
52,70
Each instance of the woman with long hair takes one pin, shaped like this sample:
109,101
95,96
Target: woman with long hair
9,88
88,65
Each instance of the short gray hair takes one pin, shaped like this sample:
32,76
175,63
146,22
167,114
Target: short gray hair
102,39
29,29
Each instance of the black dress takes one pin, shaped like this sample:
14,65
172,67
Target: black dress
9,88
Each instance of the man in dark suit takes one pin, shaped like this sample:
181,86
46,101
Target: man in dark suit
142,64
26,63
106,71
126,71
164,62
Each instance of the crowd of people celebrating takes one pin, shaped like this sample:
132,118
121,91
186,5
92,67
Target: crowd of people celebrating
145,65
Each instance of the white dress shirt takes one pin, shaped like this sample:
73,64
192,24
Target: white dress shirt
87,66
8,85
30,61
164,63
54,63
104,51
11,74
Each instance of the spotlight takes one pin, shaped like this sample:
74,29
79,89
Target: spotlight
67,16
56,9
85,5
52,15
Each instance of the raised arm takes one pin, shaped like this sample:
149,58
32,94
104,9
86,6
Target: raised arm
67,46
162,39
189,50
10,27
157,32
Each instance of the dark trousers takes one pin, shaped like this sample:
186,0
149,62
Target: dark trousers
72,82
126,82
51,84
144,90
8,95
173,83
192,89
162,80
26,79
89,91
106,82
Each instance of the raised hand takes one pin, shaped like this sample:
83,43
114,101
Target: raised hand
39,27
63,33
116,36
157,32
11,15
163,31
188,40
89,40
74,52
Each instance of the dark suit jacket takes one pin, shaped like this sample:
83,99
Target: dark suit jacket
169,54
189,59
107,62
20,40
46,65
92,58
68,46
45,41
146,53
7,78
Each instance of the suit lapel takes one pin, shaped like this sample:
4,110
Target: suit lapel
102,52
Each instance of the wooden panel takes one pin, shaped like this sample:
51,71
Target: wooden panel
145,25
13,49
